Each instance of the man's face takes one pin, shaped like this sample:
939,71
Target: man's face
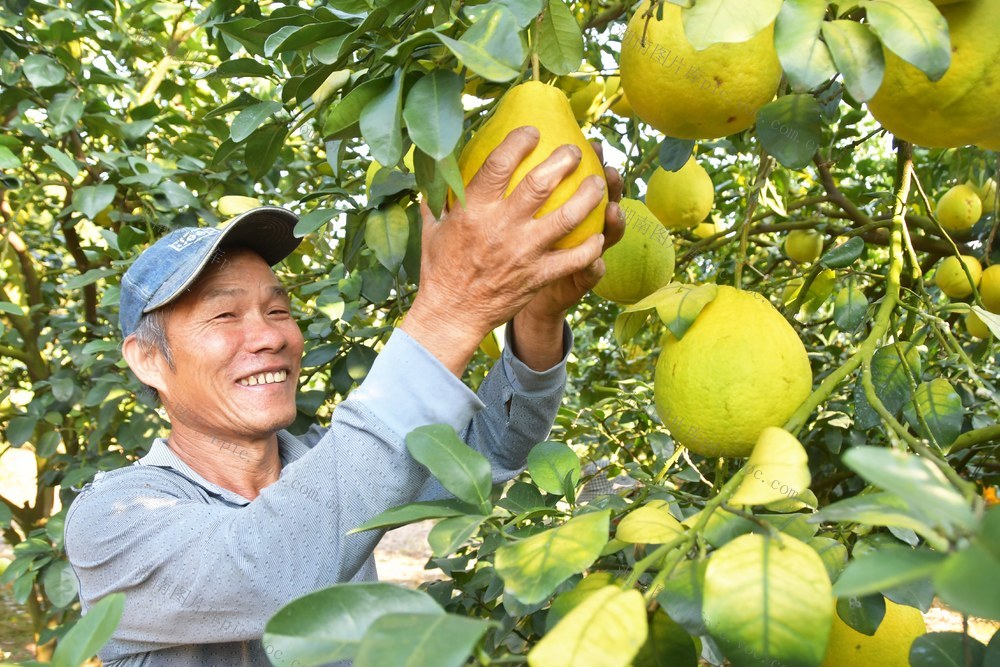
236,352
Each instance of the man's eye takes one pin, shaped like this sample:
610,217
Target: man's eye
225,316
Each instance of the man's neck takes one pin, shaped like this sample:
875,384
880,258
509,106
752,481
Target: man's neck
243,467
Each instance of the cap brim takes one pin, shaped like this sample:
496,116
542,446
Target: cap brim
269,231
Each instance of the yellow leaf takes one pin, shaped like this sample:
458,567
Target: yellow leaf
778,469
650,524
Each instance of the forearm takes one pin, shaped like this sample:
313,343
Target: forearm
538,341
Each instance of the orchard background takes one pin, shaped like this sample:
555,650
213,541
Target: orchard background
123,120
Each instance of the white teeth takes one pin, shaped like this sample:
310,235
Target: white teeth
264,378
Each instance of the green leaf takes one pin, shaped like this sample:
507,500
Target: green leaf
683,594
491,47
650,524
844,254
915,31
767,600
532,568
19,430
878,509
677,305
11,309
778,469
969,582
790,129
434,114
90,633
64,112
386,233
240,67
343,116
627,325
63,161
447,536
888,567
803,55
833,553
892,383
42,71
862,613
991,320
941,407
992,656
262,148
608,628
667,644
947,649
674,153
560,40
8,160
380,122
554,467
849,308
92,199
420,640
413,512
917,481
248,120
460,469
60,583
89,278
330,624
710,22
313,220
430,182
858,56
521,498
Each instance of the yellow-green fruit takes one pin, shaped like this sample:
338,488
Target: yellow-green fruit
642,262
988,194
804,245
586,99
977,327
545,107
961,107
691,94
235,204
888,647
989,288
705,229
622,107
739,369
682,198
959,208
951,278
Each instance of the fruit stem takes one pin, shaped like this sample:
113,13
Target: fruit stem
536,74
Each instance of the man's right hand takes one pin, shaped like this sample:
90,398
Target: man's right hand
481,264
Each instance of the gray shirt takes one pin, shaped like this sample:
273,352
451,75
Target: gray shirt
203,568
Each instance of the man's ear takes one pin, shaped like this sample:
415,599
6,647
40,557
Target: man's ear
147,365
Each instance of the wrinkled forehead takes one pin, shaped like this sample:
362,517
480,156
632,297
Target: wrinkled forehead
233,270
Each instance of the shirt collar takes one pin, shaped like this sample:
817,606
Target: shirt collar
290,449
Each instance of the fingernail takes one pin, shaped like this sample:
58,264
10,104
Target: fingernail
575,151
621,215
599,183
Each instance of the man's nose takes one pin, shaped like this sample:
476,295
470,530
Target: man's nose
265,334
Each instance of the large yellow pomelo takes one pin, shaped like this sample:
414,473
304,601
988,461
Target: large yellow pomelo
546,108
585,100
739,369
988,194
989,288
705,229
682,198
642,262
959,208
691,94
804,245
951,278
888,647
961,107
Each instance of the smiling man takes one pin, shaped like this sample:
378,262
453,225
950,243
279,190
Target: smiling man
230,516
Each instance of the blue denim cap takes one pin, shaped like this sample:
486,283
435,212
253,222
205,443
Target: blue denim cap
168,267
